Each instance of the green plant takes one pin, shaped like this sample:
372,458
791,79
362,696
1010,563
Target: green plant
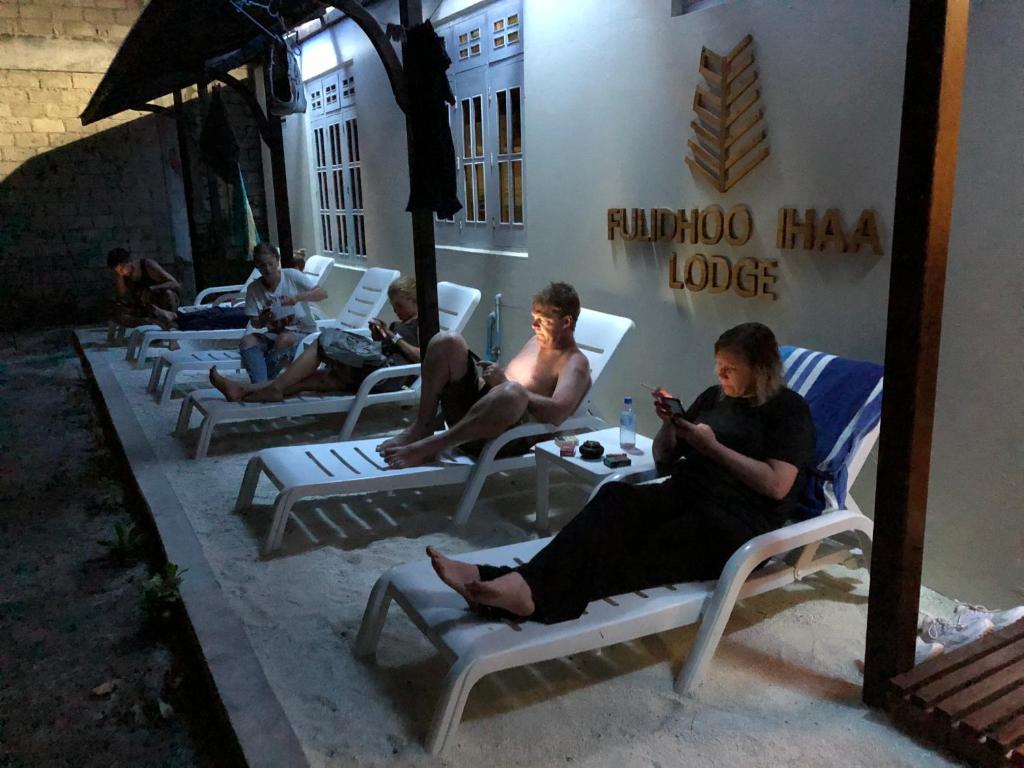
162,590
125,544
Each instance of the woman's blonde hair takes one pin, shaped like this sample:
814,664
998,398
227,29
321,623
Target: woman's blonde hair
403,287
756,344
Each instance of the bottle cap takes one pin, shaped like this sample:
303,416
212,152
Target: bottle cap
627,401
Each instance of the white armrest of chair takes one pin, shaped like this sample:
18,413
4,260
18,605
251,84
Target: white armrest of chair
216,290
631,475
739,567
333,323
388,372
363,396
535,429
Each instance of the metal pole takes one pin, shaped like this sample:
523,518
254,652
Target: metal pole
424,255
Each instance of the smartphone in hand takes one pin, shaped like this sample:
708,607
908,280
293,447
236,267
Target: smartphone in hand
675,407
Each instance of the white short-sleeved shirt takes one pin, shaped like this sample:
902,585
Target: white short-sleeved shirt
258,298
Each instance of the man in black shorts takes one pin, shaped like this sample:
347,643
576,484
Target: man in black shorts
544,382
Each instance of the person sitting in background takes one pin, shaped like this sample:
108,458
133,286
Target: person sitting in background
400,344
278,315
738,459
141,287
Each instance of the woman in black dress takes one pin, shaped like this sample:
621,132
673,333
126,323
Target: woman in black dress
736,463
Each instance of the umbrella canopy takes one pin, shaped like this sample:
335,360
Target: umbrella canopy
174,42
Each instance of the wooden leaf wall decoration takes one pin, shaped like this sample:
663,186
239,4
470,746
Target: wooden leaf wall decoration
729,132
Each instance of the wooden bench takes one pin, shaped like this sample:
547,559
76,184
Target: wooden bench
970,700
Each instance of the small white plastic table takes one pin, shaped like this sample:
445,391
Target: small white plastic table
546,456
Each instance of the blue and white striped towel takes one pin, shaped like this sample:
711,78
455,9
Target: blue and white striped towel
845,397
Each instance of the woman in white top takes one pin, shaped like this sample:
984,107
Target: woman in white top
278,316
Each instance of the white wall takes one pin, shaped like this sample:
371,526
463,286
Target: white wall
608,94
975,531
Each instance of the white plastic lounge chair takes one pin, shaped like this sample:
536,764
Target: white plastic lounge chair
476,647
140,342
227,293
332,469
367,300
455,306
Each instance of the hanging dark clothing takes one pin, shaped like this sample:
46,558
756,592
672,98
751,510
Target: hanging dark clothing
432,167
217,143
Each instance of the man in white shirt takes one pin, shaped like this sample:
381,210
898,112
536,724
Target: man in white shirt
278,315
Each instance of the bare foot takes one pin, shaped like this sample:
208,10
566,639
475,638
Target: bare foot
406,436
454,573
411,455
509,592
232,390
167,320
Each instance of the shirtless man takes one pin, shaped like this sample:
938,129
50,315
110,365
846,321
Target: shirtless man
544,382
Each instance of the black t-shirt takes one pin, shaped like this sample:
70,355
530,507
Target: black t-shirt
779,429
410,332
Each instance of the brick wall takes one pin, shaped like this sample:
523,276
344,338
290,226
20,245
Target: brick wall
69,193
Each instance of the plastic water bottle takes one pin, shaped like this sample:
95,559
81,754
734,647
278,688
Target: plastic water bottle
627,425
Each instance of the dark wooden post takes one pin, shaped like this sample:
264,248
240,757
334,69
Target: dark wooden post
930,124
424,254
275,143
212,192
185,156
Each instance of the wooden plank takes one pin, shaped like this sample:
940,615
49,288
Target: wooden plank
992,715
981,667
979,691
947,662
929,130
1010,735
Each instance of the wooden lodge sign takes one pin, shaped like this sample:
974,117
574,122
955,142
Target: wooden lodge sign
729,141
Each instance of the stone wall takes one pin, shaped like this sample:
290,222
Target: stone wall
68,192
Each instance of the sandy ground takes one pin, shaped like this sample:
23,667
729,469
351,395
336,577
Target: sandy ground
84,681
783,689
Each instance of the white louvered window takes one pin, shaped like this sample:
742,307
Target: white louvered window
487,124
337,169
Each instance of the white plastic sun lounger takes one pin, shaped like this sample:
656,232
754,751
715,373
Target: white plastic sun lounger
455,306
477,647
332,469
227,293
367,300
140,342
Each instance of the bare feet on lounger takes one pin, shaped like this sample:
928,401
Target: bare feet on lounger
412,455
408,435
510,592
454,573
166,320
232,390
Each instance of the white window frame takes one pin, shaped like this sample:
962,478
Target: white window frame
336,167
486,48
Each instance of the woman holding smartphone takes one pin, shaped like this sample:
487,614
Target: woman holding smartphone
736,463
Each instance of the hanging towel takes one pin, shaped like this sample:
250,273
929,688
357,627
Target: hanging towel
845,398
